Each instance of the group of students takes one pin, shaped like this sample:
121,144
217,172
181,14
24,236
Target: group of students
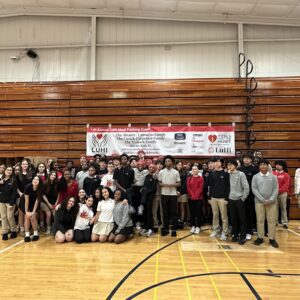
104,200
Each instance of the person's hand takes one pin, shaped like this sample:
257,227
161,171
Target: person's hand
266,203
125,202
10,207
29,214
52,207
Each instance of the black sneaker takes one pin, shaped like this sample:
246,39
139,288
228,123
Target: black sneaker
285,226
174,234
4,237
27,239
164,232
242,240
35,238
234,239
258,241
13,235
155,230
274,243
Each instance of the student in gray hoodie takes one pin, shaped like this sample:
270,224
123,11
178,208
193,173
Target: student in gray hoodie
239,190
265,190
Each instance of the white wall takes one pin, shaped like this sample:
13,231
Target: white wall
137,49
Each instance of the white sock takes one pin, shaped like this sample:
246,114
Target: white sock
27,233
35,232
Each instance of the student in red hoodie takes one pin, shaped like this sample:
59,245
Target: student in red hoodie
284,187
195,185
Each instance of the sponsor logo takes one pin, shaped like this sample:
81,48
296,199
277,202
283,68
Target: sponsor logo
99,141
212,138
180,136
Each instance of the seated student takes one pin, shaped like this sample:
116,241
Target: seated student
82,230
123,226
104,223
148,193
64,220
29,205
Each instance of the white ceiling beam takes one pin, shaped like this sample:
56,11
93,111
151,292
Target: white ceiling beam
157,15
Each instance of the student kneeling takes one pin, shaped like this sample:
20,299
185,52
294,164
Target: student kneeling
239,190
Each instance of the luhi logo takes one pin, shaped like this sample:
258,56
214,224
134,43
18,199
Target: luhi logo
99,142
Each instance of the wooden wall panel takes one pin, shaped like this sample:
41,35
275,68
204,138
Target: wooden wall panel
49,119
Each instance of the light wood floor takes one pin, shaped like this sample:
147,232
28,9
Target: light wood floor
45,270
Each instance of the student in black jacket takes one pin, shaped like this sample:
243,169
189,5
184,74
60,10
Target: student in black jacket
148,194
249,170
64,220
8,194
219,188
92,182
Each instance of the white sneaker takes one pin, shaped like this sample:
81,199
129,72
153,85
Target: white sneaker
214,234
138,226
197,230
48,231
223,237
143,232
193,229
149,233
248,237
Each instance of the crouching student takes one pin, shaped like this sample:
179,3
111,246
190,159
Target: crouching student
64,220
104,217
239,191
123,226
82,230
148,193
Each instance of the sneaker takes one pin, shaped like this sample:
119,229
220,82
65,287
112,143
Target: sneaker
42,228
174,234
234,238
13,235
248,237
285,226
223,237
4,237
258,241
197,230
143,232
155,230
193,229
35,238
48,231
149,233
138,226
214,234
164,232
242,240
27,239
274,243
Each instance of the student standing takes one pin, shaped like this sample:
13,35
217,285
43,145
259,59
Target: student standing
108,179
249,170
92,182
169,180
284,187
239,190
8,194
67,187
195,185
265,190
218,186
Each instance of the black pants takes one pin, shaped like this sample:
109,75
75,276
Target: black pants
136,202
169,207
82,236
250,213
238,217
148,216
196,212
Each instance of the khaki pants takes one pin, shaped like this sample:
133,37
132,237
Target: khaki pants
7,218
219,205
156,203
261,212
281,204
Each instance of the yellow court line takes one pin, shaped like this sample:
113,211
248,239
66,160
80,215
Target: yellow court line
208,271
156,269
184,272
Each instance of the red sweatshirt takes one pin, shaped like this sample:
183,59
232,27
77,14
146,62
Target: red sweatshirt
283,181
195,186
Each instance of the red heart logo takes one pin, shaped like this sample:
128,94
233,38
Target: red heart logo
212,138
99,136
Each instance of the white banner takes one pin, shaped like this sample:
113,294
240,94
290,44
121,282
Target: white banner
162,140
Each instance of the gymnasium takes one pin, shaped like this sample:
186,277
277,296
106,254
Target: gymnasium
150,149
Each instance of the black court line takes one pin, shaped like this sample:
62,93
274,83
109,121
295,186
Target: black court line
115,289
209,274
251,287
